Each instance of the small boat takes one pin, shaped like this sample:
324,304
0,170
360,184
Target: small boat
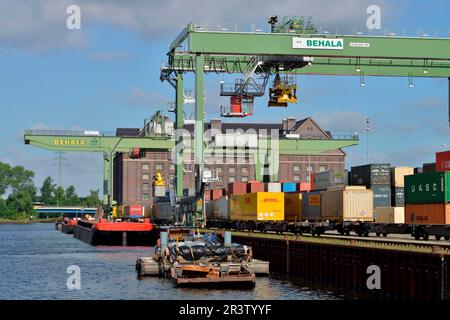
67,225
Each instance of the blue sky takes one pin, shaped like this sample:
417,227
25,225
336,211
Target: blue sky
106,75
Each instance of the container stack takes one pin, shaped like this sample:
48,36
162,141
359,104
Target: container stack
293,206
429,167
272,187
289,187
426,198
311,205
376,177
330,179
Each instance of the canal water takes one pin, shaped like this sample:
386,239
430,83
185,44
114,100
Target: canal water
34,260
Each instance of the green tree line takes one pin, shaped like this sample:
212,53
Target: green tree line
18,193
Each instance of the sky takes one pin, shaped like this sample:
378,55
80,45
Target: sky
106,75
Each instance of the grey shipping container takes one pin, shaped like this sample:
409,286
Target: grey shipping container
398,197
330,179
429,167
311,205
381,195
371,174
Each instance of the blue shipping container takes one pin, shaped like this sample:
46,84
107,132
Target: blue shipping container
289,187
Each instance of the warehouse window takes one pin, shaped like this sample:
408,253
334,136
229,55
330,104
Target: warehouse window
231,179
145,186
244,170
231,170
159,166
309,168
145,196
296,168
172,167
145,176
296,178
244,179
218,170
145,166
322,168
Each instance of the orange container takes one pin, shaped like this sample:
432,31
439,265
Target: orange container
216,194
208,195
304,186
312,177
255,186
237,188
437,213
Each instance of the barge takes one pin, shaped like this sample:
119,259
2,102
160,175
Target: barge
115,233
67,225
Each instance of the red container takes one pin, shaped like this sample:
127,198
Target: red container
312,178
216,194
303,186
208,195
255,186
443,161
134,210
237,188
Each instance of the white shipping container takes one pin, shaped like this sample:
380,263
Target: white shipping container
347,204
390,215
272,187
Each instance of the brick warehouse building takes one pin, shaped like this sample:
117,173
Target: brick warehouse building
133,176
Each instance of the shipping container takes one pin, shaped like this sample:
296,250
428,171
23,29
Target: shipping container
347,204
289,187
429,167
426,188
218,209
390,215
260,206
147,211
208,195
216,194
120,211
438,213
134,210
371,174
312,177
443,161
303,187
398,176
237,188
381,195
272,187
293,206
255,186
397,197
164,211
418,170
159,191
311,204
329,179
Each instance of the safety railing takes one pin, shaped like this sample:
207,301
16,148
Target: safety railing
321,137
70,133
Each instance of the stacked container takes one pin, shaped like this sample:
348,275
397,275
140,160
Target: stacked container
390,215
303,186
330,179
429,167
426,198
272,187
216,194
237,188
443,161
289,187
353,203
134,211
255,186
398,185
376,177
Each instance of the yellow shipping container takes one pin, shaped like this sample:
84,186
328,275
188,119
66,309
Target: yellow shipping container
390,215
398,176
120,211
293,206
258,206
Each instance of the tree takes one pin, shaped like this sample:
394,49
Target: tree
21,201
47,190
5,170
71,197
58,198
20,178
92,200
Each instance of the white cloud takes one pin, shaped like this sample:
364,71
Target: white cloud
341,121
41,25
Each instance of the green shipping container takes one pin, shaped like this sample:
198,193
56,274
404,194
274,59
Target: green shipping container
424,188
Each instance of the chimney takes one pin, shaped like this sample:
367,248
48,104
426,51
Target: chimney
290,123
216,126
284,124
